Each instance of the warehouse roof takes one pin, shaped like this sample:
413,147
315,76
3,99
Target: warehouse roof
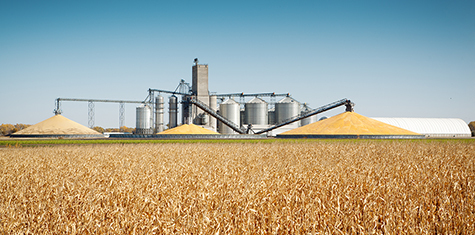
431,127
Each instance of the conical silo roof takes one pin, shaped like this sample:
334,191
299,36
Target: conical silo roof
287,99
230,101
349,125
56,125
256,100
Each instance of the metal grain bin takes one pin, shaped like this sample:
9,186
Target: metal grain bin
308,120
271,114
172,111
143,119
256,112
213,104
159,106
230,109
285,109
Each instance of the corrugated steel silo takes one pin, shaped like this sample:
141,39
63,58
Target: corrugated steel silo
230,109
143,119
256,112
285,109
271,114
173,112
308,120
159,106
213,104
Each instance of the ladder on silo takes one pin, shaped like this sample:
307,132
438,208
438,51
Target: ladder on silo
216,115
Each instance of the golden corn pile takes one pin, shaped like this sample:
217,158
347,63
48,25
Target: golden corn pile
349,123
57,124
317,187
188,129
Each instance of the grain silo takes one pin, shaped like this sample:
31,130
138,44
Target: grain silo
172,111
143,120
213,104
255,112
308,120
229,109
271,116
159,107
285,109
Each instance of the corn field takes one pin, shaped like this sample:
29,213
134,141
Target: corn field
319,187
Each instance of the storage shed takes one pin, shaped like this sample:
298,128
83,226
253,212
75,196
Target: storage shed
432,127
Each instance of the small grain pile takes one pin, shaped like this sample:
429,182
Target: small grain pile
188,129
349,124
56,125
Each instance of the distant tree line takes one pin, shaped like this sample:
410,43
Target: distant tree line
8,129
121,129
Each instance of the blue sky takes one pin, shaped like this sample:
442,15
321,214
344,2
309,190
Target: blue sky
392,58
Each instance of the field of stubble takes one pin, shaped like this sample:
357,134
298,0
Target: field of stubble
330,187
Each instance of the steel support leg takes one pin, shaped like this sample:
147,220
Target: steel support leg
121,115
91,114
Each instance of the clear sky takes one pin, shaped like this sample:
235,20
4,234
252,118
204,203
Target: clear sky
391,58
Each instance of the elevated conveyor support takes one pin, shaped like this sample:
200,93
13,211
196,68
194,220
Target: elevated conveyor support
346,102
57,110
211,112
254,94
169,92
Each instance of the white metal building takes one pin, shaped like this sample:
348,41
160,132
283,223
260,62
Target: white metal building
432,127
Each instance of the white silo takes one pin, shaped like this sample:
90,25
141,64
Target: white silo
143,120
256,112
159,106
229,109
213,104
271,114
242,115
308,120
285,109
172,111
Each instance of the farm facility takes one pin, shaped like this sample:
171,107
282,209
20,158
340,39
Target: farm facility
245,115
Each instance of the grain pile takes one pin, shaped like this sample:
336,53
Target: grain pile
337,187
349,123
57,125
188,129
